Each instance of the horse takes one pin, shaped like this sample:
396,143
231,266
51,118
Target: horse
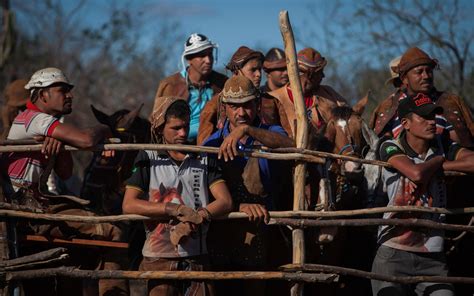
105,176
344,134
104,181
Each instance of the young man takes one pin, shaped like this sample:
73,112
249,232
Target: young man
237,245
50,98
197,83
418,157
175,186
416,75
275,68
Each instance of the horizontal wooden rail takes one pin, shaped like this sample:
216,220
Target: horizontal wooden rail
299,223
6,211
268,153
169,275
74,241
375,276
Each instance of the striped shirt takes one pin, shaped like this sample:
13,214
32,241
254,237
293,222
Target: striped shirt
25,168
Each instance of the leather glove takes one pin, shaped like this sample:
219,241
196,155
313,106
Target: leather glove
180,231
183,213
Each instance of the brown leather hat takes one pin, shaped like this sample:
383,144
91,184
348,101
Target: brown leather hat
310,60
15,93
238,90
394,76
274,59
412,58
157,118
242,56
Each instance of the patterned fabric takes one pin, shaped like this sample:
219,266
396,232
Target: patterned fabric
402,192
163,181
25,168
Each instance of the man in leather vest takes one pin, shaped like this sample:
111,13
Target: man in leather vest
415,71
197,83
319,99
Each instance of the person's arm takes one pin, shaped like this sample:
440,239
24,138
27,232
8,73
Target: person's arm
268,138
81,138
223,201
418,173
133,204
463,162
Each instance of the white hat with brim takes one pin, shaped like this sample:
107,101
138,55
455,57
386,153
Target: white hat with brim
47,77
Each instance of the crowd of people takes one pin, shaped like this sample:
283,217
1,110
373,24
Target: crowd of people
425,132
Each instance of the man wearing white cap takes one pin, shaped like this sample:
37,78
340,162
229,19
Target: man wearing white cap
197,82
50,98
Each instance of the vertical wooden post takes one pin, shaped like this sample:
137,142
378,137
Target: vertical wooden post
301,138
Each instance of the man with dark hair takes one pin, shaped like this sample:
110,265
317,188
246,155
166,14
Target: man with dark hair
50,98
197,82
175,186
275,67
418,157
242,246
416,75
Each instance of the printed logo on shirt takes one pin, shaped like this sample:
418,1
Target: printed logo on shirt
391,149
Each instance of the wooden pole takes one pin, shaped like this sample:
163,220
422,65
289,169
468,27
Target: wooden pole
301,138
237,215
269,153
376,276
169,275
168,147
412,223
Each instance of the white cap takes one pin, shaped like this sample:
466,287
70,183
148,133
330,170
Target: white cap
46,77
196,43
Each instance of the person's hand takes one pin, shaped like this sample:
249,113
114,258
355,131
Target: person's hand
228,148
183,213
180,232
256,212
51,146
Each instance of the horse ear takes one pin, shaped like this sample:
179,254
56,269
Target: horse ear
359,107
100,116
180,188
128,119
162,189
369,135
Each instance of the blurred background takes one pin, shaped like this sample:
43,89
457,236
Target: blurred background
116,52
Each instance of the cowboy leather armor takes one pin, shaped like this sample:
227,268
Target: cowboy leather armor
325,99
456,113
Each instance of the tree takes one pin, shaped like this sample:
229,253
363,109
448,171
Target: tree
362,35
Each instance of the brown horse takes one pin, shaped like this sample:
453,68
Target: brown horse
344,134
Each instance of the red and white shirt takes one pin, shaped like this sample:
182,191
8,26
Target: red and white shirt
25,168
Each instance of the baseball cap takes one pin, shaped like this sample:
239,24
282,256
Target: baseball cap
420,104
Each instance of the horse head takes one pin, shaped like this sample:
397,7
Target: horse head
125,123
343,134
104,177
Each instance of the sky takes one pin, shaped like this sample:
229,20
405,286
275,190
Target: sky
230,24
